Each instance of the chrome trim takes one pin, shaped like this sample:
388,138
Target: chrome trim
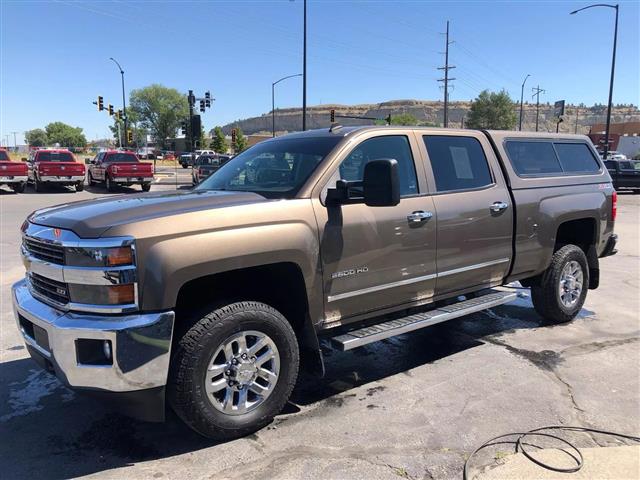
472,267
64,179
79,275
363,291
409,281
13,178
141,344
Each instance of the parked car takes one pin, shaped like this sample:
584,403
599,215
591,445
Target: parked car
115,167
12,174
214,298
54,167
615,155
205,165
624,173
187,159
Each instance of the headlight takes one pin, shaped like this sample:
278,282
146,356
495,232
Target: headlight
99,257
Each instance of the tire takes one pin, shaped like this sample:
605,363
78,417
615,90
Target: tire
184,165
195,352
547,298
38,186
79,186
108,184
18,187
92,182
145,187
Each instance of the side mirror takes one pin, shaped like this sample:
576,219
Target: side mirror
381,185
87,161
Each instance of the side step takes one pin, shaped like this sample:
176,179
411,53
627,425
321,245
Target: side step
398,326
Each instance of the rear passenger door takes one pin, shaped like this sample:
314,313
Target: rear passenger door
474,211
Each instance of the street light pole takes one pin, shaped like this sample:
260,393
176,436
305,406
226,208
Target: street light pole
613,68
124,103
304,70
522,99
273,101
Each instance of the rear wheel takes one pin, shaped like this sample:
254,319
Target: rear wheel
109,184
234,370
80,186
18,187
563,286
145,187
92,182
38,186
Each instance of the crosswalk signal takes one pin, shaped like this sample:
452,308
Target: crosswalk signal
333,115
110,110
100,103
129,136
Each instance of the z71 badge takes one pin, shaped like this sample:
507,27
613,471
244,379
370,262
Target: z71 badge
351,271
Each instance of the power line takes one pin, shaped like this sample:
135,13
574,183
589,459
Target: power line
446,78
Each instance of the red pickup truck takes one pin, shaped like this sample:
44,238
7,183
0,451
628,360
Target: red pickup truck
120,168
13,174
54,166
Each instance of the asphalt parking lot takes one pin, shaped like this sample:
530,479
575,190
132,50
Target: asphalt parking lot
411,407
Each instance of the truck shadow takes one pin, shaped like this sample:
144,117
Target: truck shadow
50,432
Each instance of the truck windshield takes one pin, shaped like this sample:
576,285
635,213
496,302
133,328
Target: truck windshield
54,157
274,168
120,158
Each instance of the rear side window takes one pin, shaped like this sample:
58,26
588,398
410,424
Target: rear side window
120,158
540,158
576,157
3,155
54,157
458,163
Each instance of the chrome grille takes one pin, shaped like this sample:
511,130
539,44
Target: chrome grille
51,289
46,251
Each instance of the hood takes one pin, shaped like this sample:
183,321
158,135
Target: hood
90,219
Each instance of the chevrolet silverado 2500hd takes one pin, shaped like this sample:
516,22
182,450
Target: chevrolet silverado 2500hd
212,298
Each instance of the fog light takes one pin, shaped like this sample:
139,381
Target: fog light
106,349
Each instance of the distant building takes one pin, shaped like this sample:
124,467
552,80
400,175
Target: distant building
623,137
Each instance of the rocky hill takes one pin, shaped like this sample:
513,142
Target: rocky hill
428,112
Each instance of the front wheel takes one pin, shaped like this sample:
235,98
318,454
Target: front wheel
145,187
563,286
80,186
92,182
38,186
234,370
18,187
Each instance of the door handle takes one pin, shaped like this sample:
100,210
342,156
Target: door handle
419,216
498,206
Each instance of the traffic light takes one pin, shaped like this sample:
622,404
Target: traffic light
100,103
192,98
118,115
129,136
110,109
233,135
333,115
207,99
184,128
202,106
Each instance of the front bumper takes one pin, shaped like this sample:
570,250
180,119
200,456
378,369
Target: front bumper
61,178
12,179
139,345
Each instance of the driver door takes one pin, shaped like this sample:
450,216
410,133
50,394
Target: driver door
378,257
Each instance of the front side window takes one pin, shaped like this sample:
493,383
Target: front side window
274,168
576,158
394,147
458,163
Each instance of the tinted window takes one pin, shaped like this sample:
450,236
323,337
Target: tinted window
624,165
610,164
533,158
458,163
390,147
576,157
274,168
120,158
54,157
3,155
208,160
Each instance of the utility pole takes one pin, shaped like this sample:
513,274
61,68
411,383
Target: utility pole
577,112
446,78
536,93
304,70
15,143
522,99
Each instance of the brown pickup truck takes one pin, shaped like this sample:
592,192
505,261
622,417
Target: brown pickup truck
212,298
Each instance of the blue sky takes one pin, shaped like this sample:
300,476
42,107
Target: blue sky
55,54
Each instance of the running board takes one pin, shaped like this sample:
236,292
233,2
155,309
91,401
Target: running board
398,326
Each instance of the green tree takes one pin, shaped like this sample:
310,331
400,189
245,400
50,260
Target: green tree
219,142
160,110
492,110
241,141
36,137
404,119
65,135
